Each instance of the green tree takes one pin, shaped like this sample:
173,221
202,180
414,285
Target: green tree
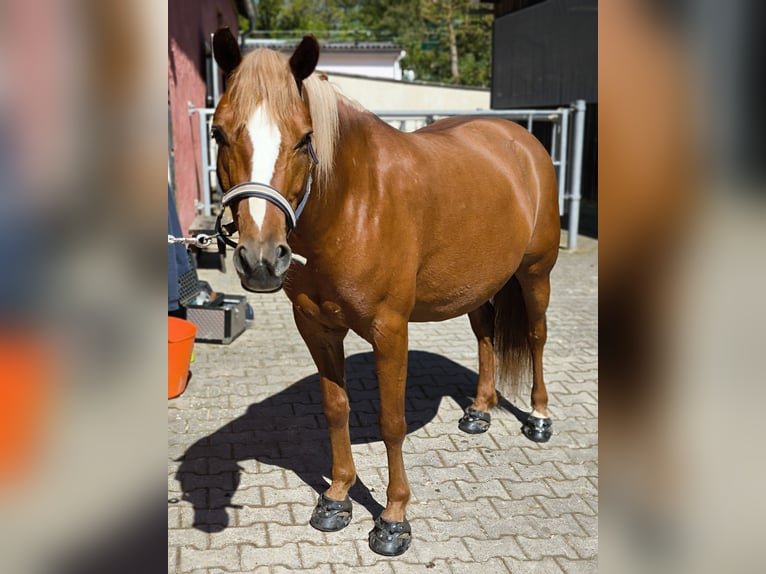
444,40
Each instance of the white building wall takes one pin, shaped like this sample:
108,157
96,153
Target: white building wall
373,64
386,95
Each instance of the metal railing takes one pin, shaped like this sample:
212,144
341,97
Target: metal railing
564,156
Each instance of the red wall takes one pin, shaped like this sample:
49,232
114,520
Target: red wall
190,23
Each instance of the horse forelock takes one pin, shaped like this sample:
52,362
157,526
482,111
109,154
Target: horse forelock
264,78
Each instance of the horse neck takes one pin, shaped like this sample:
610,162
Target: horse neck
327,213
354,143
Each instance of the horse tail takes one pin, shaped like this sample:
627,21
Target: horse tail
513,355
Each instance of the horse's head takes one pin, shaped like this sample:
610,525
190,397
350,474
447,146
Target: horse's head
263,129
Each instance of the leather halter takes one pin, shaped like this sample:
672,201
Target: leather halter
268,193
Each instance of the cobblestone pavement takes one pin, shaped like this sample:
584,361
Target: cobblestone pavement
248,450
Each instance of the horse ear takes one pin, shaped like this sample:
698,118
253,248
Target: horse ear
226,50
304,59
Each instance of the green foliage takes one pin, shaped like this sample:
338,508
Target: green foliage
421,27
267,14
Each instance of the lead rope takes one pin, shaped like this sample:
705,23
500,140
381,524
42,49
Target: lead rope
201,240
204,240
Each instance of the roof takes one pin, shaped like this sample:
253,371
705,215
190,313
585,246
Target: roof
328,46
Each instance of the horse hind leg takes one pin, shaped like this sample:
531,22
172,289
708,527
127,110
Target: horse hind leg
536,291
477,418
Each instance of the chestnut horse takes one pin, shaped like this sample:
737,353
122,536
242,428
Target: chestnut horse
460,217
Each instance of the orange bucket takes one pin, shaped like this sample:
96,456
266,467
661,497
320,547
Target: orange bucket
28,389
180,343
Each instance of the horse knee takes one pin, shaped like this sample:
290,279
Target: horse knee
392,431
537,336
336,409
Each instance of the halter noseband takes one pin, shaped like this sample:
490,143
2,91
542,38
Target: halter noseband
264,191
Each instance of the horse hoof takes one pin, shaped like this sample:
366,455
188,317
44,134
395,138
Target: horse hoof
474,421
537,429
331,515
390,538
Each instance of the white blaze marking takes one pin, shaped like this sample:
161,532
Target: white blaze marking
257,210
266,139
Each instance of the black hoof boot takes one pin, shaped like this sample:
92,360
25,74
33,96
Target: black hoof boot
390,538
537,429
331,515
474,422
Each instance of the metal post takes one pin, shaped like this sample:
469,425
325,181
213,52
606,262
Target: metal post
577,151
205,152
563,155
216,88
171,153
555,129
204,157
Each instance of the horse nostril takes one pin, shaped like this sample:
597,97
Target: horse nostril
240,257
283,251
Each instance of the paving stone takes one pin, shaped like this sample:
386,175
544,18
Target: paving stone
287,556
279,534
574,471
546,565
382,567
277,514
483,489
573,504
539,548
254,534
174,517
438,475
323,569
443,530
588,523
586,547
533,526
523,489
577,566
509,509
488,566
343,552
482,549
581,485
226,558
190,538
425,550
173,558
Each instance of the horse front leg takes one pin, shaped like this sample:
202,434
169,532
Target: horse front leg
333,510
391,534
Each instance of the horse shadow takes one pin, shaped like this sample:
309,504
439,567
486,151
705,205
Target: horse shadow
288,430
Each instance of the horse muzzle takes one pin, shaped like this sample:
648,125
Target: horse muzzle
262,267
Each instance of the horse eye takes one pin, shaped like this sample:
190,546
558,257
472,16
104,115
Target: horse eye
304,141
218,136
